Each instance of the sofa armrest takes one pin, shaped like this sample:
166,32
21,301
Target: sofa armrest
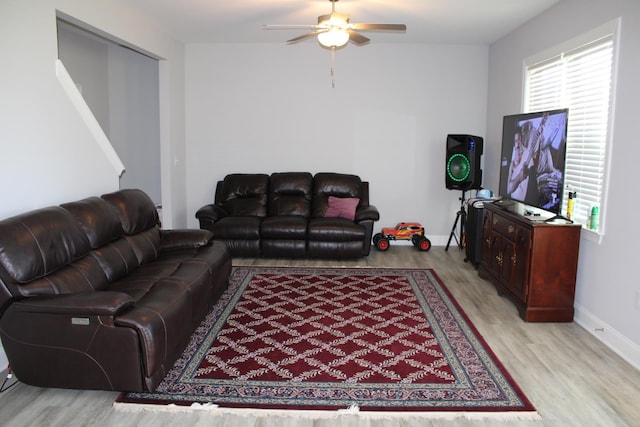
101,303
209,214
367,213
184,239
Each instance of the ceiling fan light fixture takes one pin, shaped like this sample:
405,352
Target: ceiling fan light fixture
335,37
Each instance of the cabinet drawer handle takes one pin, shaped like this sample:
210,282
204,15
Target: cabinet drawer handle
511,229
495,221
514,259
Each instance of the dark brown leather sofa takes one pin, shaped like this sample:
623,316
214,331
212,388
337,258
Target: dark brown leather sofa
95,295
292,215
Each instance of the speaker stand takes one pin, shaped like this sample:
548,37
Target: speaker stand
461,216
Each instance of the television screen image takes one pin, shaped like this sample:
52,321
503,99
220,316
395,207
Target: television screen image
533,158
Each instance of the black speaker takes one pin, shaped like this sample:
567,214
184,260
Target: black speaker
462,167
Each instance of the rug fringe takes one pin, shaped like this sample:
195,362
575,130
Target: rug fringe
352,411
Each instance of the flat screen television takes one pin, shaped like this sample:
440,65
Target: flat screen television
532,167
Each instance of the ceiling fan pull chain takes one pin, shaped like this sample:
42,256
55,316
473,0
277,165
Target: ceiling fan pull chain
333,66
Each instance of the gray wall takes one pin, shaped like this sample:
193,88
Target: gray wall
134,115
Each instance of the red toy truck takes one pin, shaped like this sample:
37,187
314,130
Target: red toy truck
413,231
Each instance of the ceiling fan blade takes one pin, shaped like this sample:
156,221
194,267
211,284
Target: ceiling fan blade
379,27
287,27
306,36
357,38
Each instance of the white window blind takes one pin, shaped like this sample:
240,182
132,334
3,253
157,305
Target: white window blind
579,79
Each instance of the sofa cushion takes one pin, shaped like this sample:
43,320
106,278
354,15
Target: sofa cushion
98,220
37,243
191,274
320,249
135,209
245,194
335,230
83,275
146,244
332,184
341,207
140,222
284,248
290,193
284,227
243,228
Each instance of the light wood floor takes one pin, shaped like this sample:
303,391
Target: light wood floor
571,378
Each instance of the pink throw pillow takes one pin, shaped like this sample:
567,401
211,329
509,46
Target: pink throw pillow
342,207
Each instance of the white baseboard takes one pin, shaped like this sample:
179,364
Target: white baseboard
612,338
442,241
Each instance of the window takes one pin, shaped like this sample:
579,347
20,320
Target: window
579,77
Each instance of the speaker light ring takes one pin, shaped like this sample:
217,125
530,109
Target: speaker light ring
466,167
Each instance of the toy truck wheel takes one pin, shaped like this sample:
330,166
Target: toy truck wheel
376,237
421,242
382,244
424,244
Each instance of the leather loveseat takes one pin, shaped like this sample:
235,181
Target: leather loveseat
292,215
95,295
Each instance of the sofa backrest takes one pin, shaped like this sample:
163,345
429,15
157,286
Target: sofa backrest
36,250
98,220
244,194
327,184
102,226
140,222
290,194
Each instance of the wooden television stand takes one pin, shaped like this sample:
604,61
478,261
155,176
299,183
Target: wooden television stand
533,263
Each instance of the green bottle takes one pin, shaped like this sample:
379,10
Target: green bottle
595,217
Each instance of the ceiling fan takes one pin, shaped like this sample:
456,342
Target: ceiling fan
335,30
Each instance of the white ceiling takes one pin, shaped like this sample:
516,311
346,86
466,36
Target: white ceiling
428,21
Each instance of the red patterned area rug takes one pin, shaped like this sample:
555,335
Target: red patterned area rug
366,339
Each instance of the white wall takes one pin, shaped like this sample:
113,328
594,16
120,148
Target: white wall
271,108
49,154
608,287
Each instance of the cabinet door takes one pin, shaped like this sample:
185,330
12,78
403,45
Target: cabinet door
510,256
505,257
519,260
488,241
